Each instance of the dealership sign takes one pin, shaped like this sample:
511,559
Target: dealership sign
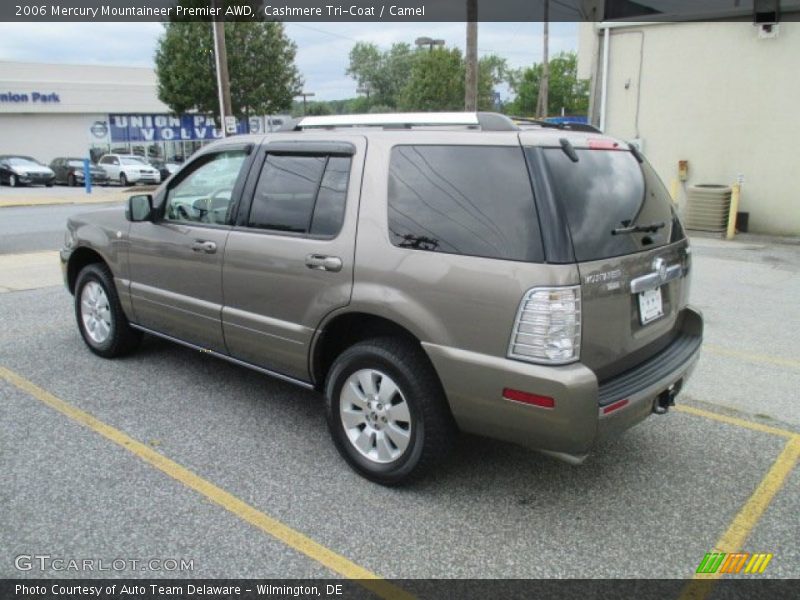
33,97
165,128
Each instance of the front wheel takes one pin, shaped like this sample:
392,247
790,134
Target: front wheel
386,411
101,321
13,181
123,180
71,181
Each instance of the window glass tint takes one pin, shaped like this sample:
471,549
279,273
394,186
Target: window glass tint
301,194
286,191
607,190
474,200
329,211
205,195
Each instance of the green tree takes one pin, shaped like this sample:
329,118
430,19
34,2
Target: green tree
263,76
437,81
565,90
383,73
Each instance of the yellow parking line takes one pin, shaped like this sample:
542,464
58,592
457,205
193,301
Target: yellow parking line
749,515
294,539
707,414
751,357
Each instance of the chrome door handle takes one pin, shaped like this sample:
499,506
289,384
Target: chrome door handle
203,246
321,262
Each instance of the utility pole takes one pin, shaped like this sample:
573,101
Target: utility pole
471,78
223,81
544,84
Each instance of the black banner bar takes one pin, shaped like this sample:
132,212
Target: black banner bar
749,587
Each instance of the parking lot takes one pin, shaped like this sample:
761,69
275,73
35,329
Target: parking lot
171,454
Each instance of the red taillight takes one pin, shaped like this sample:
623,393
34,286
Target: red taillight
617,405
528,398
598,144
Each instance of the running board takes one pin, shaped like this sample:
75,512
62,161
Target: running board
230,359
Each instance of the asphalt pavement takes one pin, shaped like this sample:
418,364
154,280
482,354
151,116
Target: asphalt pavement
32,228
249,471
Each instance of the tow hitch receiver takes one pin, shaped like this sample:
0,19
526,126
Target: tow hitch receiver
666,398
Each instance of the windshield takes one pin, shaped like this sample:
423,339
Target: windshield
130,160
74,162
22,162
606,191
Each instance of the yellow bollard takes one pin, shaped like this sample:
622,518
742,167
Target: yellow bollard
673,190
735,193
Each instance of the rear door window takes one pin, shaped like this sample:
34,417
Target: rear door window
472,200
608,190
301,193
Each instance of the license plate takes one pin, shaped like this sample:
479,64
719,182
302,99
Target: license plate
650,306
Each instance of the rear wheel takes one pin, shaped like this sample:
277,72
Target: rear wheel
101,321
387,412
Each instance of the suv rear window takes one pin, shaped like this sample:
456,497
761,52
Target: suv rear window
607,190
472,200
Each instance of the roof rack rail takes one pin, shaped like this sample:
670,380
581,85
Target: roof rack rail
568,126
481,120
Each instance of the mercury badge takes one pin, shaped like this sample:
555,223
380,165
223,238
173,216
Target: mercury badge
660,267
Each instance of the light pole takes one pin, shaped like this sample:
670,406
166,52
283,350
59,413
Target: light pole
429,42
305,96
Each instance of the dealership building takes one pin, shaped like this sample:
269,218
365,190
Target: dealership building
50,110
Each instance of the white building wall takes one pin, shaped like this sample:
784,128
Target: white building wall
81,88
86,94
717,95
45,137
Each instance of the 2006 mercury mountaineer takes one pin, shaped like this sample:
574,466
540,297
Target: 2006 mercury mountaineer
428,273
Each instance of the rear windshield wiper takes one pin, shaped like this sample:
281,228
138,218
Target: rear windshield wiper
652,228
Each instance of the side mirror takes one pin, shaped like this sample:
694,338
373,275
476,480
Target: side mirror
140,208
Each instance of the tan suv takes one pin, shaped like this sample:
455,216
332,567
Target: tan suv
428,273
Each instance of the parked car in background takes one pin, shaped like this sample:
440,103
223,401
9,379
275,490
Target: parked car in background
69,170
128,169
24,170
164,168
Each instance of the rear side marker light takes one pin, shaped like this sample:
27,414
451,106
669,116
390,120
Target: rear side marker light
528,398
615,406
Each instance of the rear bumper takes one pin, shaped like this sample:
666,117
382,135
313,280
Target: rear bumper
585,410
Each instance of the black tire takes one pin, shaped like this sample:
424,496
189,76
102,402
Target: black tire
123,180
71,181
122,339
49,184
431,425
13,181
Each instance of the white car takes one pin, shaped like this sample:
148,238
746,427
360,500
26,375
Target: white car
129,169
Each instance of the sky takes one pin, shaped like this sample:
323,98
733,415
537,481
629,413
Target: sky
322,48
